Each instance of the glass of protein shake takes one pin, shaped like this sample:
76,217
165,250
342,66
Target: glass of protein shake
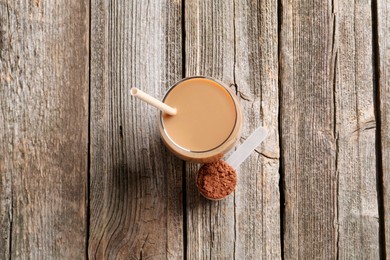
207,123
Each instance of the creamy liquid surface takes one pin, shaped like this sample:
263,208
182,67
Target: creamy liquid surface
205,116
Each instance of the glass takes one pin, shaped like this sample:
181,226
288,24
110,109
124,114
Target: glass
208,123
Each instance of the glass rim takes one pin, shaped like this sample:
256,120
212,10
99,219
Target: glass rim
235,109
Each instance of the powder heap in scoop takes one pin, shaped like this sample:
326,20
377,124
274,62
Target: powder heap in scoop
216,180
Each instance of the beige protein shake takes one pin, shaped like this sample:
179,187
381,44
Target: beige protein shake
207,123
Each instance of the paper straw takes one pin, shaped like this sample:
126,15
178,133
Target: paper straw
152,101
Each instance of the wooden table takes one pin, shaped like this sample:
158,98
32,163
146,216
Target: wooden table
84,174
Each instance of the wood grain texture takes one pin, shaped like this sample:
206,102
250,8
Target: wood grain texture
226,42
328,131
44,129
257,197
136,184
355,131
307,129
383,18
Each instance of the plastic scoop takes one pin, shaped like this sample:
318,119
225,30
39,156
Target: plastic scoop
152,101
217,180
247,147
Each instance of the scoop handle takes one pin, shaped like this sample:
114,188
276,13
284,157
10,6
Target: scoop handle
247,147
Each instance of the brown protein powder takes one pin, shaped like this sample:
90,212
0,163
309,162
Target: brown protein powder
216,180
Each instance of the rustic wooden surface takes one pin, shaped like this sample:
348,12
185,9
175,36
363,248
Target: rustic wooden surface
43,129
383,113
83,173
357,222
328,130
257,198
307,130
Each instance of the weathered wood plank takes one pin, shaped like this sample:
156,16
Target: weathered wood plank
44,129
136,207
225,42
256,76
328,131
383,19
357,203
307,129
